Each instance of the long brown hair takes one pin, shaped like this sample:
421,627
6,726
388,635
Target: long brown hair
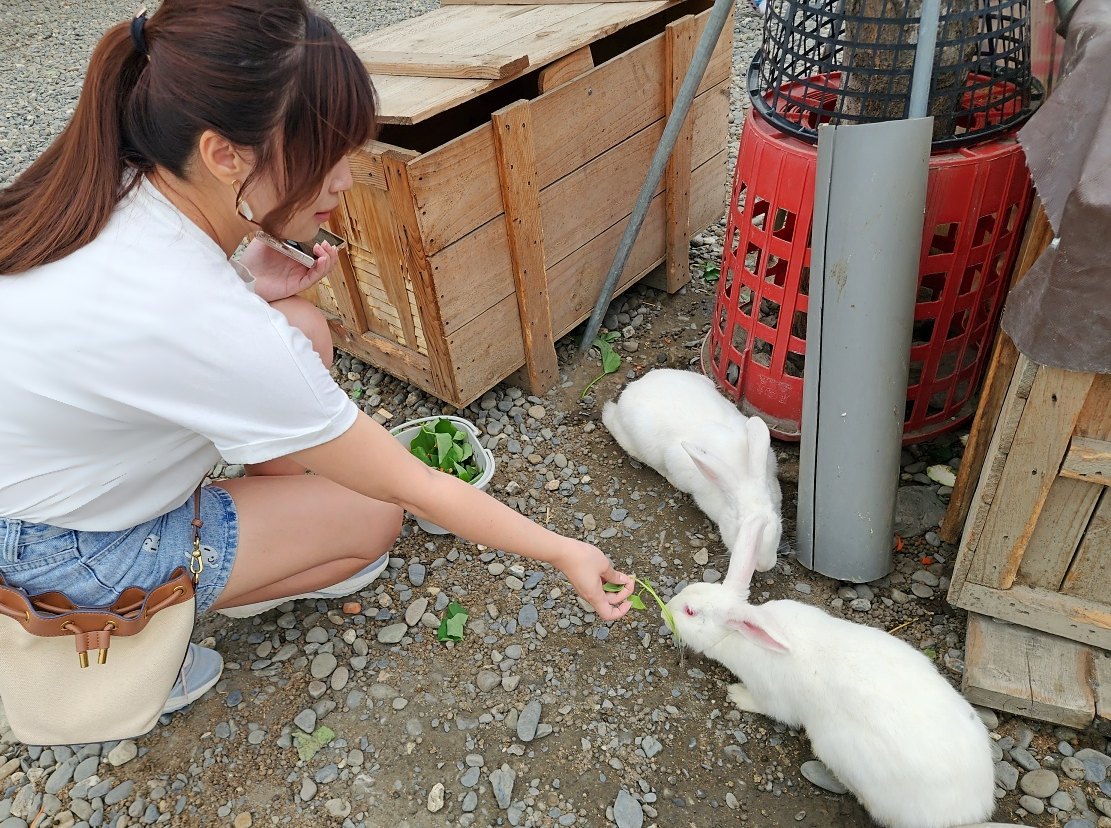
271,76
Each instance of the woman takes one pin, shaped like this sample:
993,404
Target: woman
134,353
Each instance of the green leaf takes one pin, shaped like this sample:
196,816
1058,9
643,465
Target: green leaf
636,602
443,445
451,627
613,587
611,336
710,273
445,427
425,440
611,360
357,394
468,451
930,653
421,455
463,474
310,745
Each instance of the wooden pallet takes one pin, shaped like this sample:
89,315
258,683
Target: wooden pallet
1030,673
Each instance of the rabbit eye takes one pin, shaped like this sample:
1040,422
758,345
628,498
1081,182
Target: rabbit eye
688,611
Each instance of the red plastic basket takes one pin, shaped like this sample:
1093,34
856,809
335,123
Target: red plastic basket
976,206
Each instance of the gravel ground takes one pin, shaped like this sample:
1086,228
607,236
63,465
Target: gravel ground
350,713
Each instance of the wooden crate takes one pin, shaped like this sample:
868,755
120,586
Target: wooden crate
483,221
1036,548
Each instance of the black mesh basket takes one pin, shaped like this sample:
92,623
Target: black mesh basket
851,61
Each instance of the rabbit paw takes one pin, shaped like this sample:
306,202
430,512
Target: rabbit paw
740,696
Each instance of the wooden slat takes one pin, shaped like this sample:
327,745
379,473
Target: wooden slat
431,65
342,280
680,38
522,2
1028,673
583,119
1088,460
1038,235
401,195
1070,617
1048,419
1102,673
516,151
386,354
1061,525
988,483
543,32
575,208
1089,576
579,62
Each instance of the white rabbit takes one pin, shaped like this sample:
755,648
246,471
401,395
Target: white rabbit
877,712
677,423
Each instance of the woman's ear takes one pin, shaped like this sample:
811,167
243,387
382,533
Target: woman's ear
223,160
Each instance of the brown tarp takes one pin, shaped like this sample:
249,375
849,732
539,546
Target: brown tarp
1060,314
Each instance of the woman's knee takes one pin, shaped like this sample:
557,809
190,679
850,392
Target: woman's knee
304,315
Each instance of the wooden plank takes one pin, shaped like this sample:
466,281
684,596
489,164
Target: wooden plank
680,38
1028,673
1095,419
1067,616
1061,525
342,279
579,121
521,2
543,32
575,209
579,62
1037,237
401,195
1102,673
988,483
1088,460
431,65
1048,419
516,151
1090,574
386,354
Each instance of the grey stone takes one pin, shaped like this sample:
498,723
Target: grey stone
921,590
119,793
514,651
393,633
308,789
1032,804
470,802
651,746
416,574
322,665
61,777
818,774
436,797
470,777
1080,823
415,611
1006,775
306,720
924,576
1073,768
1041,783
1023,758
86,769
487,680
1062,801
528,721
917,509
528,616
326,775
627,812
338,808
122,753
501,782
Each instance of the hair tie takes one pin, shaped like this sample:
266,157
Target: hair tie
137,37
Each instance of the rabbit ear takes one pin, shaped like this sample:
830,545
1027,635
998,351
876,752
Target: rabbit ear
711,466
759,444
742,562
757,629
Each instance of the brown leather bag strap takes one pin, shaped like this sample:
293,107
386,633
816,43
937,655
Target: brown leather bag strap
196,559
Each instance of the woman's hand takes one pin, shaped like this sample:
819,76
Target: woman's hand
587,568
279,277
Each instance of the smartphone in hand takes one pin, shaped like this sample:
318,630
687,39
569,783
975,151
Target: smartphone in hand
301,252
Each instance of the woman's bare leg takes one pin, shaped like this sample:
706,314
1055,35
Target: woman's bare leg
301,533
302,314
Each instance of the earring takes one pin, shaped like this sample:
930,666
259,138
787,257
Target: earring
241,205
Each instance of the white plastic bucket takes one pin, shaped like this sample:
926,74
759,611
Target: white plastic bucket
484,458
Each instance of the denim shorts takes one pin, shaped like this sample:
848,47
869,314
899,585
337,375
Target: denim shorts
93,568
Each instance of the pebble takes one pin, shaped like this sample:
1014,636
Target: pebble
860,605
817,773
306,720
470,777
988,716
322,665
1006,775
488,680
1073,768
537,412
1031,804
122,753
326,775
436,797
1023,758
627,812
415,611
803,588
1062,801
337,808
1041,783
924,576
528,616
528,721
393,633
308,789
651,746
501,782
921,590
416,574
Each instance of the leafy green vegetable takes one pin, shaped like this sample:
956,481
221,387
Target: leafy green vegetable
611,360
636,602
310,745
451,626
442,446
710,272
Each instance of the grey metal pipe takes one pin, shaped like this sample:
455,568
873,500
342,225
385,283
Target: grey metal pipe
719,14
924,58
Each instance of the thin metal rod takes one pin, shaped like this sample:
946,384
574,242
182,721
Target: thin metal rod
924,58
701,59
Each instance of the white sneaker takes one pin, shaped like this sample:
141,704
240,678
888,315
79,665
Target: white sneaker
355,583
199,673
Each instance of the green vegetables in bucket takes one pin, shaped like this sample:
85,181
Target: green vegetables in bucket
443,446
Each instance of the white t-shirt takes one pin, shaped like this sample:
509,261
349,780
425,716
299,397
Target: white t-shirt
128,368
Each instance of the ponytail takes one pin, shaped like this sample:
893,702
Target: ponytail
65,198
270,76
